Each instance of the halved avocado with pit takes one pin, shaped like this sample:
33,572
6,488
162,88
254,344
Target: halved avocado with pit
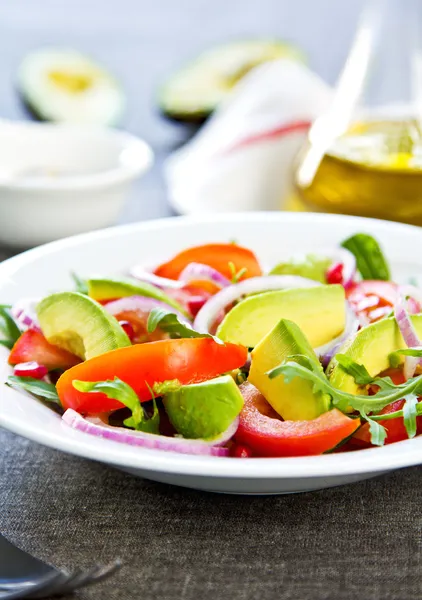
63,85
194,91
80,325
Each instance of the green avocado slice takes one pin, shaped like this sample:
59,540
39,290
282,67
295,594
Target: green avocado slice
371,347
80,325
204,410
319,311
296,400
194,92
111,288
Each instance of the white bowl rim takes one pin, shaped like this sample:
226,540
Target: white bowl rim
374,460
90,181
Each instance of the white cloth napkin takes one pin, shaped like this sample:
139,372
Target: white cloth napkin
242,158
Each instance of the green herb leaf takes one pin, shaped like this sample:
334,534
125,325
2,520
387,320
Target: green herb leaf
7,343
8,327
312,266
236,276
387,394
394,357
169,322
377,431
80,284
370,259
37,387
357,371
410,413
121,391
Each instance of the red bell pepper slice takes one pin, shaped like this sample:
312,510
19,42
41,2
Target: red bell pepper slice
32,346
189,360
217,256
269,436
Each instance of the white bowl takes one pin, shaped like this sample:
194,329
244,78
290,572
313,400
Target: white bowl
274,237
59,180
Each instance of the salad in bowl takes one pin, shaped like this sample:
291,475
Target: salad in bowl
213,353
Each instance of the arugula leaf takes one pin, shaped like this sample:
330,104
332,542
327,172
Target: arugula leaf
37,387
80,284
370,259
410,413
394,357
397,414
8,327
121,391
357,371
169,322
387,394
377,431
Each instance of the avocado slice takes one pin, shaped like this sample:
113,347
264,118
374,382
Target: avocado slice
194,92
204,410
80,325
370,347
62,85
107,289
296,400
319,311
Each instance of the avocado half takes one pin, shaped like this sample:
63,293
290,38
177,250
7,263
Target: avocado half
63,85
194,91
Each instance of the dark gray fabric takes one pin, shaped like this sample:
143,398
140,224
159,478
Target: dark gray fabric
359,541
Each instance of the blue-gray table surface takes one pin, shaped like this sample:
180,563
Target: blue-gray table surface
359,541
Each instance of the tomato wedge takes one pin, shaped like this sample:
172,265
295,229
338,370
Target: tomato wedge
217,256
372,300
32,346
268,436
188,360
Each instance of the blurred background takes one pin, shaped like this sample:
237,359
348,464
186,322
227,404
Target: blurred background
142,43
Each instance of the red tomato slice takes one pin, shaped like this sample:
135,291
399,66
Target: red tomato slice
396,431
372,300
217,256
32,346
188,360
269,436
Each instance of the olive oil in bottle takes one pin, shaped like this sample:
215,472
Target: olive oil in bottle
363,156
374,170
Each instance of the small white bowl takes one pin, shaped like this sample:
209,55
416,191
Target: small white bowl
58,180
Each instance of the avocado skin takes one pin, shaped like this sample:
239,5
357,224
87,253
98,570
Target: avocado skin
203,110
296,400
370,346
204,410
111,288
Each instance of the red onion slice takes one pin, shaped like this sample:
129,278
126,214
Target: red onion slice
209,313
140,304
328,350
199,272
98,428
414,295
24,311
409,335
143,274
